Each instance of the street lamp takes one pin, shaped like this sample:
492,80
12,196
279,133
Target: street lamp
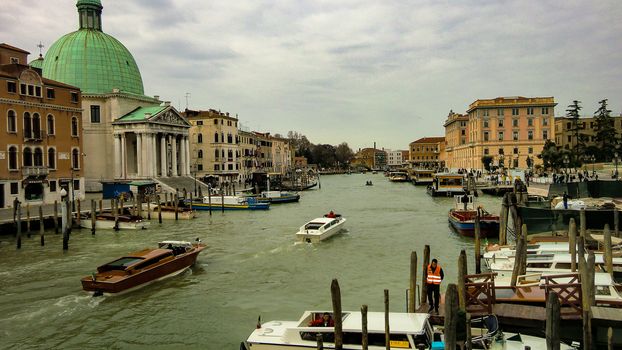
566,162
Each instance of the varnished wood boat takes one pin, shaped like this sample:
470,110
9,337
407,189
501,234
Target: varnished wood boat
142,267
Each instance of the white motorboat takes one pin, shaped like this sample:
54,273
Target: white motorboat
106,221
408,331
496,252
320,229
398,176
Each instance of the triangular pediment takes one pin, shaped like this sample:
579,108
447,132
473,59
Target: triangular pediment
169,116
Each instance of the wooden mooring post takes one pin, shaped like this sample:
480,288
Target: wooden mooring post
478,248
78,218
176,208
222,199
608,250
139,205
424,274
159,210
503,224
553,320
67,225
582,222
572,243
93,216
116,213
364,334
56,216
28,220
209,200
462,271
335,293
101,206
616,222
451,316
191,199
520,259
149,207
412,297
320,341
41,226
18,211
387,328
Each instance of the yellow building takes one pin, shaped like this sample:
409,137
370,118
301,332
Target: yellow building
426,152
564,130
509,129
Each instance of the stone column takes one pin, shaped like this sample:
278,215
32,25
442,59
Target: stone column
182,157
154,154
187,142
147,154
123,156
139,154
174,155
163,155
118,172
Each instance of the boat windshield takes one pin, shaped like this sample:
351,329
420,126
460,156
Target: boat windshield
314,225
121,264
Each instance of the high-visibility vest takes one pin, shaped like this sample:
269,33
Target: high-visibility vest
434,277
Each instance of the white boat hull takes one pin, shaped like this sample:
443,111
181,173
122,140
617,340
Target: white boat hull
315,236
109,225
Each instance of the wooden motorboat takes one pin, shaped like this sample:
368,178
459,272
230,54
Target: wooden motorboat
107,221
168,212
398,176
463,219
276,197
229,203
422,177
408,331
320,229
446,184
142,267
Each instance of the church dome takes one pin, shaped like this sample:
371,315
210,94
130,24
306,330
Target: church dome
92,60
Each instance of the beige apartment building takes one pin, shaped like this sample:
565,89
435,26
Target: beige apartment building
41,142
426,152
509,129
214,144
565,136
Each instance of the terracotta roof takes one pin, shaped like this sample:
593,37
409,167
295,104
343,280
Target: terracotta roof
430,140
7,46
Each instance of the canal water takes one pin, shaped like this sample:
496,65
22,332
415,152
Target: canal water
252,267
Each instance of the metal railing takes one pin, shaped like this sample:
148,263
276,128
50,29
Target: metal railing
35,171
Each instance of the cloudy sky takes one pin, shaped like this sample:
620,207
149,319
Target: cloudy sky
357,71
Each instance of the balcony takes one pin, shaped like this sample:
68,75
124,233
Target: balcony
35,171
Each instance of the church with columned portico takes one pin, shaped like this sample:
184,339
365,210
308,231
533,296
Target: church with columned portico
127,134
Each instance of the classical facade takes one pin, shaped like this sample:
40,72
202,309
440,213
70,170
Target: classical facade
112,89
370,158
565,135
41,144
282,155
214,144
509,129
426,152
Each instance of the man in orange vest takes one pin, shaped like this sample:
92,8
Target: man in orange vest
433,282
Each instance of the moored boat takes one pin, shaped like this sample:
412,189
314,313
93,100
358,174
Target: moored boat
230,203
422,177
168,212
276,197
462,218
446,184
408,331
320,229
398,176
107,221
142,267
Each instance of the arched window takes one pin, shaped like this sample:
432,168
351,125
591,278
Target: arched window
75,158
216,154
230,154
50,124
229,138
200,138
51,158
200,154
11,122
27,157
13,158
74,126
38,159
27,126
216,137
36,126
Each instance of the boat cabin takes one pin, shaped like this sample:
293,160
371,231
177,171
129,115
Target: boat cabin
422,176
138,260
320,223
460,201
446,184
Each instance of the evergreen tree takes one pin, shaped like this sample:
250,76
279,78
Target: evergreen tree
577,145
606,135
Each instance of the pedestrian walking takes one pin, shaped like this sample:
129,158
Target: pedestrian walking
433,282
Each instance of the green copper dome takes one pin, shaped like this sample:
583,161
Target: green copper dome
92,60
37,63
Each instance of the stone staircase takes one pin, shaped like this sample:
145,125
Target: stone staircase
171,184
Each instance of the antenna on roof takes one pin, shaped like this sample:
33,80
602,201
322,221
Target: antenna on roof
187,96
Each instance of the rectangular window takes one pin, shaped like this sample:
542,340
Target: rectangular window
14,188
76,185
200,167
485,135
500,136
486,151
501,122
529,110
514,111
463,132
501,151
515,123
95,114
545,134
50,93
545,121
530,122
568,125
38,91
74,97
31,90
569,138
485,123
23,89
500,111
52,186
199,122
11,87
230,166
515,150
215,121
515,135
216,167
545,110
14,60
530,135
485,111
530,150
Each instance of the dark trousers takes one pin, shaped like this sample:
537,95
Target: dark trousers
434,289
